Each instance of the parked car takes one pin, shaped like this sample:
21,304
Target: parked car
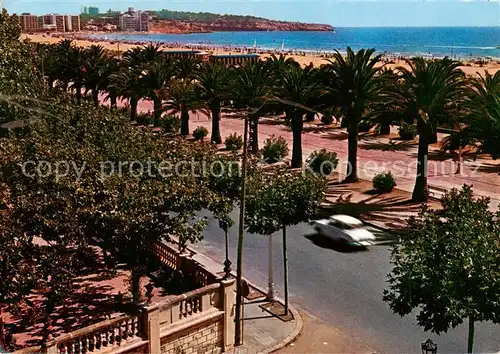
345,229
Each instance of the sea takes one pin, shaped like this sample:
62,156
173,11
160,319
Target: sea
454,42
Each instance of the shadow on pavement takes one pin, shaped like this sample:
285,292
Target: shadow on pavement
324,242
390,146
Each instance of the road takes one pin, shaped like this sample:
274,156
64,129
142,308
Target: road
343,288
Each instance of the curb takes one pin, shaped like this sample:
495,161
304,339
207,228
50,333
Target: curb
296,315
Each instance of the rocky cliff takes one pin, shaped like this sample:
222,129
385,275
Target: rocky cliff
183,26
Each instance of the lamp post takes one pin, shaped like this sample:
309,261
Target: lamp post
429,347
224,225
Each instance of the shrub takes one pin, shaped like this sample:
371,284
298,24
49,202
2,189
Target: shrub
452,142
364,126
234,142
384,182
200,132
323,161
170,123
275,149
144,119
327,119
407,131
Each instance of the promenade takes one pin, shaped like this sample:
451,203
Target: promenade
378,154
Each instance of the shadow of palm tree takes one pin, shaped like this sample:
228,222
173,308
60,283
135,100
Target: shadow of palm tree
316,129
383,208
489,168
390,146
337,135
271,121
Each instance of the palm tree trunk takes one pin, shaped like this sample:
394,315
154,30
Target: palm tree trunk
385,128
133,109
420,189
157,111
184,121
135,280
112,99
433,136
216,138
254,135
352,152
78,89
95,97
310,116
297,124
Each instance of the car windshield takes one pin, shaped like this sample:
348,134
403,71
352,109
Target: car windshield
343,226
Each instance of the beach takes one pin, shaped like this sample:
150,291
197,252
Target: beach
471,67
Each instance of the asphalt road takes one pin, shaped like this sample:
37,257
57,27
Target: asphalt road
343,288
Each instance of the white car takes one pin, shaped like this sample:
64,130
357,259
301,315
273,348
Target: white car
346,229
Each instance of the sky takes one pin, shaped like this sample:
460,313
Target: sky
339,13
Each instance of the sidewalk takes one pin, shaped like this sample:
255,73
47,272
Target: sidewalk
266,333
262,331
318,337
378,154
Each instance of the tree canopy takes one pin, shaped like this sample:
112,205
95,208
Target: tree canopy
447,266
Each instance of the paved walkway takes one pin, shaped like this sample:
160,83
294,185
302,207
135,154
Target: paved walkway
379,154
318,337
376,155
266,333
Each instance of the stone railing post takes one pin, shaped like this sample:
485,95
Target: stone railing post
181,261
152,329
228,297
52,349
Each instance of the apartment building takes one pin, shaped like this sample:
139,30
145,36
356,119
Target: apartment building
29,23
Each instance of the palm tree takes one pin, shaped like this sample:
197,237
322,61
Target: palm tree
63,64
250,86
93,65
297,93
154,79
431,93
353,83
484,117
49,62
138,56
277,64
182,99
110,67
126,82
213,89
379,111
186,68
76,69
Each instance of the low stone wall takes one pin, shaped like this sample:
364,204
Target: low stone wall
200,321
206,337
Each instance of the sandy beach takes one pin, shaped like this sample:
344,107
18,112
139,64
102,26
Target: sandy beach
470,68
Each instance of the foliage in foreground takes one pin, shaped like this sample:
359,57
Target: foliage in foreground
384,182
323,162
275,149
234,142
447,267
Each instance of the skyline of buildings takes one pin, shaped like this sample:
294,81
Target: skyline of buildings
129,21
50,22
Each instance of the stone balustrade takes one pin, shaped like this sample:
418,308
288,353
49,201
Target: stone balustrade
170,257
160,327
199,321
102,336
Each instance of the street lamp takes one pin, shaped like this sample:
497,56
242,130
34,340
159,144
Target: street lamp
429,347
224,225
